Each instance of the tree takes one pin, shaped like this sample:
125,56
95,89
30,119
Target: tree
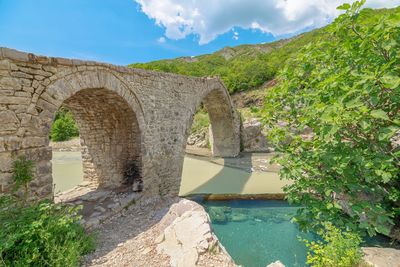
64,126
335,118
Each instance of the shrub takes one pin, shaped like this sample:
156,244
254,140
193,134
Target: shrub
22,173
39,234
43,234
345,91
201,121
337,249
64,126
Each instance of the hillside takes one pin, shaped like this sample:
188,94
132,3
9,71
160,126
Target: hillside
242,67
247,67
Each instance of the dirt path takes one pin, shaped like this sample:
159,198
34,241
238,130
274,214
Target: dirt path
131,238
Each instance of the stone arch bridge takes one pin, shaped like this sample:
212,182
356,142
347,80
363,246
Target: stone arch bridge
126,117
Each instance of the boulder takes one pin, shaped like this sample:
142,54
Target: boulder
217,214
253,139
239,217
200,139
382,257
189,236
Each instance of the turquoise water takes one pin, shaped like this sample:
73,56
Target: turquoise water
258,232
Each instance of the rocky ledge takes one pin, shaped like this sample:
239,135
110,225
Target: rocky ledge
159,232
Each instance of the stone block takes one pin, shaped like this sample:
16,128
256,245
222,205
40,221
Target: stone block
14,54
6,161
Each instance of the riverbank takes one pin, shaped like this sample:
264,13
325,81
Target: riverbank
73,145
135,235
177,232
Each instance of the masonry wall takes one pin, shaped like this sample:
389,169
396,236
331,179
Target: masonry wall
124,115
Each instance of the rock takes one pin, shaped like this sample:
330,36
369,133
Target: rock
100,209
217,214
113,206
9,121
200,139
262,214
95,196
189,236
128,200
159,239
253,140
276,264
238,217
382,257
92,222
146,250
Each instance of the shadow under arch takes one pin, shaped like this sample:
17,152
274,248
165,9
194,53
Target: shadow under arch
110,120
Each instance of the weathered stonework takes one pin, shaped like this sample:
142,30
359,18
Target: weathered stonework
125,116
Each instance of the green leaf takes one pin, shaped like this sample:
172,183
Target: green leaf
354,103
379,114
344,7
387,132
390,81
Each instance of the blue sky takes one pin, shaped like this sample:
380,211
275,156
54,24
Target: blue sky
127,31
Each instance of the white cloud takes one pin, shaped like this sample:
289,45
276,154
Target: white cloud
235,35
210,18
161,40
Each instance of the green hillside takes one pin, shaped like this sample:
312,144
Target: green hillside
249,66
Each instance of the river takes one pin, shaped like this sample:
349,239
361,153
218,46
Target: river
200,176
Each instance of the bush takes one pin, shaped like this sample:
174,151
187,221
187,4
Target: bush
334,116
22,173
201,121
39,234
337,249
43,234
64,126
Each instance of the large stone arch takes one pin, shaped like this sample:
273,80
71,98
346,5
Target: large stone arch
110,119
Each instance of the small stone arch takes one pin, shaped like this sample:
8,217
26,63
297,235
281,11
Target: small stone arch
224,120
110,119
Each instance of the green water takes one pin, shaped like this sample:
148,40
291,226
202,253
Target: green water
257,232
199,176
67,170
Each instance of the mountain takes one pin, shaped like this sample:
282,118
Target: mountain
247,67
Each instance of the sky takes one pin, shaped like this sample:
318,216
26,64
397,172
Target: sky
129,31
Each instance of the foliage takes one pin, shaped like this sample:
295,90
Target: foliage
201,121
241,68
337,249
22,172
39,234
247,66
334,115
64,126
